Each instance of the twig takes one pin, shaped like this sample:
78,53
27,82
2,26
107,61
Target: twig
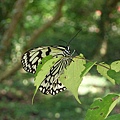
93,61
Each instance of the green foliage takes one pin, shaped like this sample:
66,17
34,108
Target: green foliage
101,108
103,68
73,76
111,72
113,117
42,69
45,68
114,73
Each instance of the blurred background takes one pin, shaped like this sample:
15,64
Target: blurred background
25,24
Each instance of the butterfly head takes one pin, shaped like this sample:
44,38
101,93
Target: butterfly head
67,52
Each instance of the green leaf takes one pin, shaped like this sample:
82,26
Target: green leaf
115,66
114,75
103,68
101,108
113,117
43,61
88,66
111,72
71,77
42,71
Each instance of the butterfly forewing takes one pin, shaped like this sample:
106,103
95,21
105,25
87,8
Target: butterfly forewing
33,57
51,84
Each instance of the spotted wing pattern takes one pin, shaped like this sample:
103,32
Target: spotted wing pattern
51,84
33,57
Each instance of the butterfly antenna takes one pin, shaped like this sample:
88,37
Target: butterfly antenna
63,41
74,37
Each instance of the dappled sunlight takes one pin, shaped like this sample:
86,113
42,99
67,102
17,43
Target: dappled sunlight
103,49
93,28
25,82
92,84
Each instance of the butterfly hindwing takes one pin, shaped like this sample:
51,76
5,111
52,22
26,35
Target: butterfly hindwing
51,84
51,88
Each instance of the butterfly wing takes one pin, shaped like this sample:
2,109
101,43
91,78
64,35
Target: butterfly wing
51,84
33,57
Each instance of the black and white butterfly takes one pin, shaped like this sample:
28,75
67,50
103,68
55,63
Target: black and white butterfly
50,84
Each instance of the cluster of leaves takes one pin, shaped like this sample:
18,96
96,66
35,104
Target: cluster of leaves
74,74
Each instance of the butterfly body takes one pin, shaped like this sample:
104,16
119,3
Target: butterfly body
50,84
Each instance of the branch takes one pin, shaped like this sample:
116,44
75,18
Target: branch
10,72
34,36
6,41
